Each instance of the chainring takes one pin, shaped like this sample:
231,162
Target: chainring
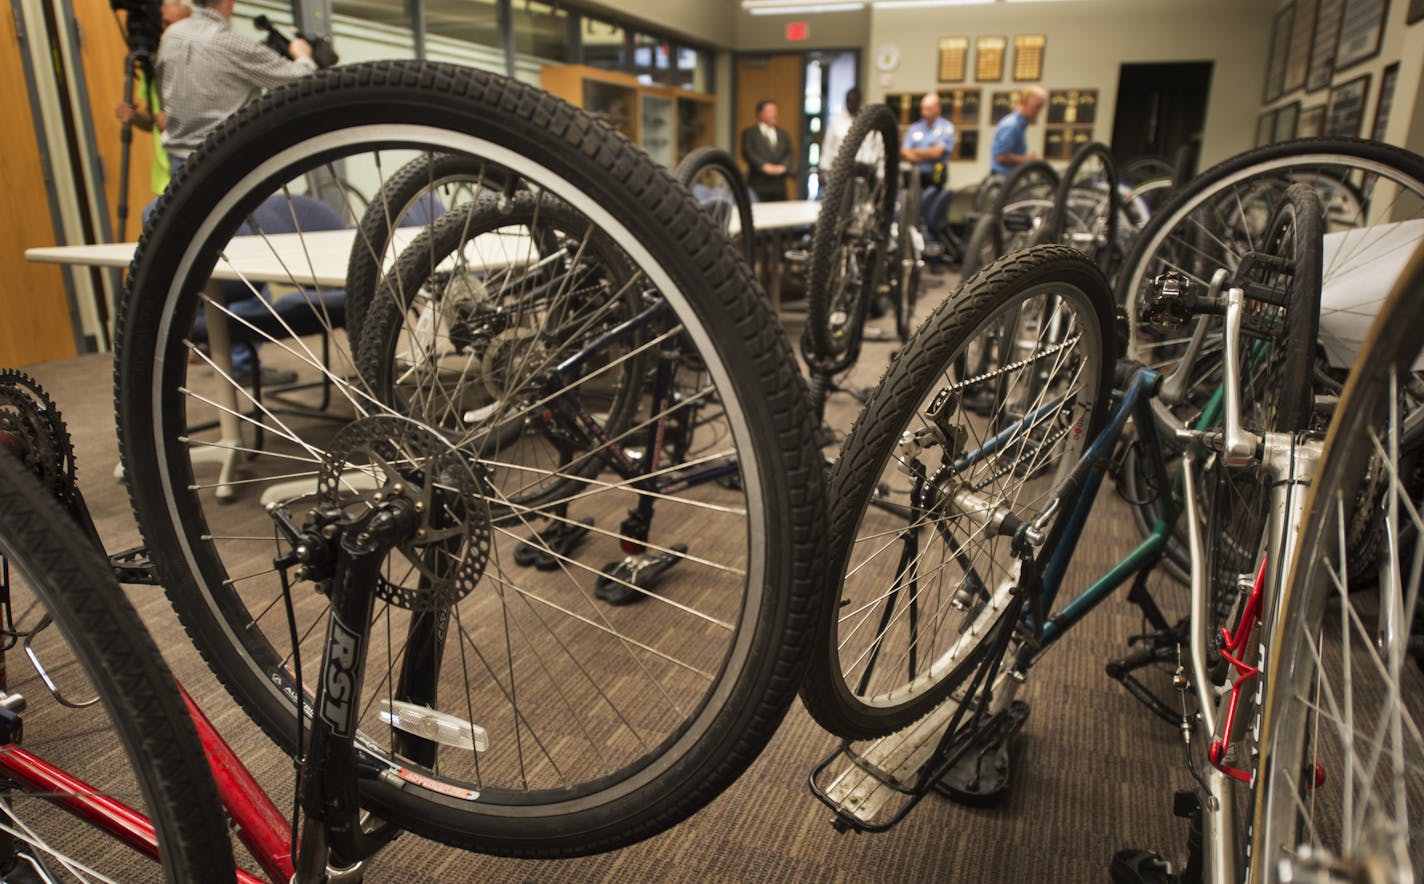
34,430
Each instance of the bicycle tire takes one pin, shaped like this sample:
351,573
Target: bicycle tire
907,271
747,670
397,382
1372,157
1034,184
1145,168
1325,627
980,252
387,211
909,382
986,193
715,158
77,588
834,324
1104,240
1276,396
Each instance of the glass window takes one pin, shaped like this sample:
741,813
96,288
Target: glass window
373,10
469,21
605,45
541,30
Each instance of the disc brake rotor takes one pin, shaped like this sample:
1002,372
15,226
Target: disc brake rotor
383,456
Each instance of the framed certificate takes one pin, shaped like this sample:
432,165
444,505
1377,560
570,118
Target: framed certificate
1280,47
1265,128
1361,30
1384,102
1298,56
1001,104
1287,116
1311,123
1346,107
953,59
1322,45
1028,56
989,58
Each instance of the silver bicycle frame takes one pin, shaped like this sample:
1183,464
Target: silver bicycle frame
1289,463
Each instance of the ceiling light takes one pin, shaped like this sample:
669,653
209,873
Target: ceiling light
917,4
756,8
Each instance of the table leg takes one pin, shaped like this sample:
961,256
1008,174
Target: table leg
778,263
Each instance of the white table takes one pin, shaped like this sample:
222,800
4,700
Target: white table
773,223
310,260
315,259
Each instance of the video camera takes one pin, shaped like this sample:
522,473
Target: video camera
322,53
143,23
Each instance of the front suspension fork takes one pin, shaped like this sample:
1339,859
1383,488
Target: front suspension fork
327,790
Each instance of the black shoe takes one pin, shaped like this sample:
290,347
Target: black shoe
545,549
271,377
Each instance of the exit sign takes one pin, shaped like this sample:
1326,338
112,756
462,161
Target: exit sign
795,31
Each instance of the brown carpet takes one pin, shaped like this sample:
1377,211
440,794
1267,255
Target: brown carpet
1094,772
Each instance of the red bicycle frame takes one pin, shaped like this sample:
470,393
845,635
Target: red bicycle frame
255,818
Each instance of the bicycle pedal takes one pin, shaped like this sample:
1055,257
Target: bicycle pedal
545,549
629,581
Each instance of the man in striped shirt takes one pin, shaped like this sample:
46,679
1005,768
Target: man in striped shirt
206,71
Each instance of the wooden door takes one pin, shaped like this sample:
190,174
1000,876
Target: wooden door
780,78
34,311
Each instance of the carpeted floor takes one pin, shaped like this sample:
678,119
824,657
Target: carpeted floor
1093,771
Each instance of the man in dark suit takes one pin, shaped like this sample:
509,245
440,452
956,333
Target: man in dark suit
768,154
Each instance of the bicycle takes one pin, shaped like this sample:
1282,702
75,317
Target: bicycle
115,750
907,249
850,248
1340,745
1366,190
473,687
946,600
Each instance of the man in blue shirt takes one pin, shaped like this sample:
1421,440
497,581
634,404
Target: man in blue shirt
1010,146
929,143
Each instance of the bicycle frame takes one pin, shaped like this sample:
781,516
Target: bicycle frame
1134,402
261,827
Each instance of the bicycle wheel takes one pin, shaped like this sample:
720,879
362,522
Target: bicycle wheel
920,584
1086,208
987,192
1146,168
717,184
849,248
1339,790
98,653
1215,219
607,724
980,252
1024,207
905,275
413,196
479,307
